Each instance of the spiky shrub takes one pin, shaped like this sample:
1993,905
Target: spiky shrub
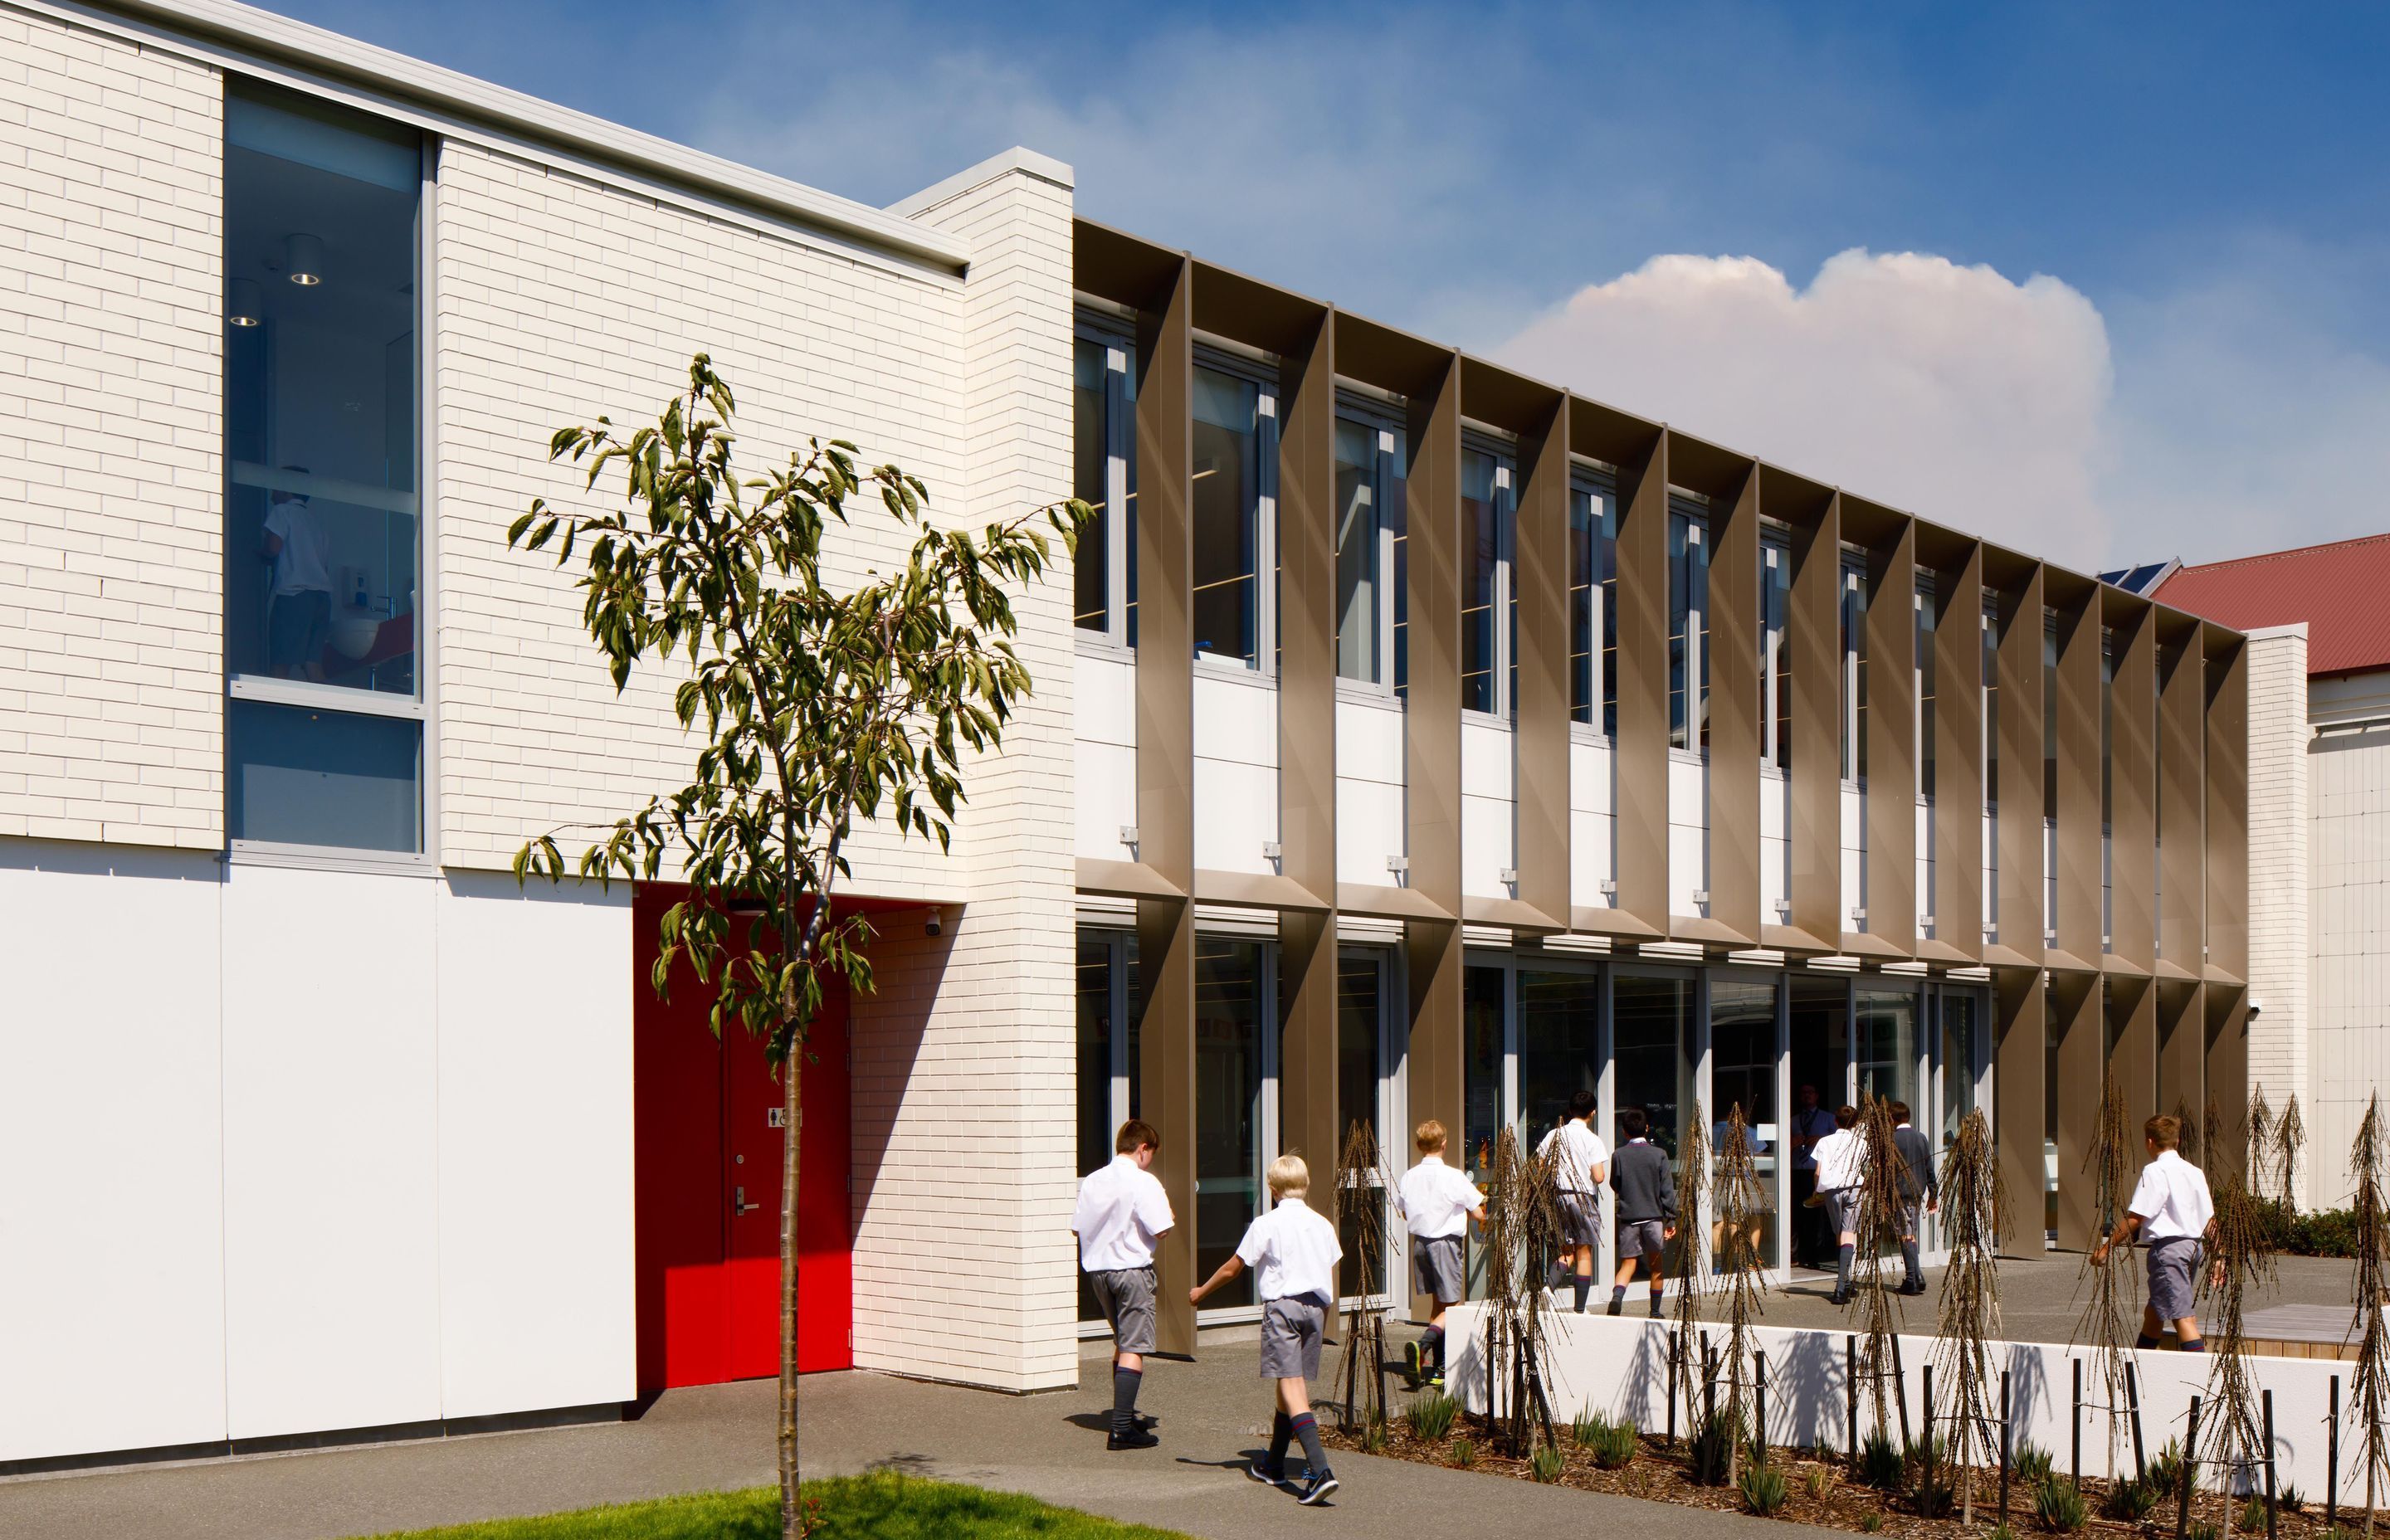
1818,1479
2164,1472
1615,1447
1881,1463
1763,1489
1463,1453
2204,1530
1871,1522
2253,1515
1930,1493
1432,1415
2129,1501
1373,1435
2058,1506
1709,1453
1547,1465
2291,1500
1585,1431
2001,1531
2031,1464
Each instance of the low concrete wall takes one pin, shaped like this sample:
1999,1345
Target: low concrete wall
1619,1369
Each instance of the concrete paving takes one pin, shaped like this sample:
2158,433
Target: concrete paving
1214,1414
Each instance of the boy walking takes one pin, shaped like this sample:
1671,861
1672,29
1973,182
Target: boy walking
1296,1252
1917,1191
1647,1208
1581,1162
2172,1206
1842,1165
1123,1214
1437,1202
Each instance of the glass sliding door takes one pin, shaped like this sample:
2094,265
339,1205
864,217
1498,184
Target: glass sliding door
1360,1077
1820,1052
1655,1059
1230,1011
1743,1075
1886,1040
1559,1047
1107,1055
1485,1015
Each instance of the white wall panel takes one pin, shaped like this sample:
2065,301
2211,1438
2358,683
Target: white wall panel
1689,845
1855,886
1775,846
1236,717
1236,811
331,1164
1926,866
111,1213
1103,699
1103,799
1489,838
1992,874
1369,791
537,1305
1593,850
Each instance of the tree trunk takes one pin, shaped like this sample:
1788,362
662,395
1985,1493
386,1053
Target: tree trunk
793,1073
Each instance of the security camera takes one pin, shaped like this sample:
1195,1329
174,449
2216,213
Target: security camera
935,923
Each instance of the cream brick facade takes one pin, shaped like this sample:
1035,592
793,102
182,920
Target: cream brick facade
2349,884
2278,864
111,501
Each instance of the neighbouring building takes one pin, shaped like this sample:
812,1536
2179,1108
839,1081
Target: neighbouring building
2319,828
1412,739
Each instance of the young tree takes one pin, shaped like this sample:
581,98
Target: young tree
2241,1254
1742,1204
2111,1164
1692,1263
1971,1206
2369,1402
1881,1207
814,707
2290,1144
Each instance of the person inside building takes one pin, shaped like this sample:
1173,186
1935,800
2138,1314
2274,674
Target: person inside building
2173,1208
1436,1202
1842,1165
1581,1163
1647,1208
1811,1123
1121,1216
1295,1251
299,615
1919,1193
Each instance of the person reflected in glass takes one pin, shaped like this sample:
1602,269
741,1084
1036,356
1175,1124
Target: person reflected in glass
299,619
1811,1123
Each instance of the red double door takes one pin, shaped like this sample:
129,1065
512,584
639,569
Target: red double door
708,1155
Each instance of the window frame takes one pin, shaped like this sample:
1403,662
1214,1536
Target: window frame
1504,597
1266,555
1602,701
1775,556
1693,511
422,705
1390,439
1120,450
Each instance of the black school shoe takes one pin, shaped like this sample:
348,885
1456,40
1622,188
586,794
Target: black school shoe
1136,1438
1319,1489
1261,1472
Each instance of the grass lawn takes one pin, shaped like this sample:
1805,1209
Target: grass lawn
852,1507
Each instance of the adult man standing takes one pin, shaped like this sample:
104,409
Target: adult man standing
2172,1206
1123,1214
1811,1123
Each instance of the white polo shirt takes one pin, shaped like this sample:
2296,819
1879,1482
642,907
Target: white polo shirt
1295,1252
1437,1198
1122,1212
2172,1198
1842,1158
1581,1150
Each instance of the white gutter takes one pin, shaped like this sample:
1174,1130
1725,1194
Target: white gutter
259,32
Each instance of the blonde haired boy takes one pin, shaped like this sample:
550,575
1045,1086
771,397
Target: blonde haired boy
1296,1252
1437,1202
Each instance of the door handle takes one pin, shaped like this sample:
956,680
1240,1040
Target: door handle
739,1204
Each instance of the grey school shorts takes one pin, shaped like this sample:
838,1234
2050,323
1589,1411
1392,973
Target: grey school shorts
1291,1333
1436,1267
1842,1209
1642,1237
2173,1274
1126,1295
1580,1219
1911,1209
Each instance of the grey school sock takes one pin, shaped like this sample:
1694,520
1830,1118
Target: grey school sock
1281,1434
2197,1344
1307,1428
2145,1341
1432,1348
1126,1384
1843,1269
1908,1256
1582,1285
1656,1289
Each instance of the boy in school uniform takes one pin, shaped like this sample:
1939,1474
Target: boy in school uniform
1919,1192
1296,1252
1437,1201
1123,1214
1841,1166
2173,1208
1647,1208
1583,1165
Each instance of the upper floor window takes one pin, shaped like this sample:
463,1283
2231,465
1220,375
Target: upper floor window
1926,615
1688,603
2107,725
1102,461
1853,621
1236,455
1991,623
2049,712
1371,608
1488,604
1775,658
322,549
1593,607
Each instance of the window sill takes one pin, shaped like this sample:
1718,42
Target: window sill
1094,644
1234,674
1689,756
1377,697
327,858
311,696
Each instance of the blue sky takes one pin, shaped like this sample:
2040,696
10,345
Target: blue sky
2104,281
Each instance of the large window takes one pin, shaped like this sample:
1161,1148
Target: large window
1688,604
1483,1006
323,553
1235,456
1775,657
1743,1075
1360,1073
1488,607
1230,997
1593,608
1559,1046
1886,1043
1855,748
1107,1057
1657,1052
1371,608
1926,615
1102,476
1991,700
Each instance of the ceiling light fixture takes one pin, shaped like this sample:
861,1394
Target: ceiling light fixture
244,303
304,260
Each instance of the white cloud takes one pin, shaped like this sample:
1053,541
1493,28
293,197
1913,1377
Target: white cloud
1951,391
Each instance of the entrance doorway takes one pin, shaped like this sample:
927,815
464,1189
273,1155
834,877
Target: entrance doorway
709,1145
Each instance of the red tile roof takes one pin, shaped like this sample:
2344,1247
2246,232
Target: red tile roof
2341,590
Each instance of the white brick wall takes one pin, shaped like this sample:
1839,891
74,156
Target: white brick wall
111,500
2349,883
965,1068
2278,864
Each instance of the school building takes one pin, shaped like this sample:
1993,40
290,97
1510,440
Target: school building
1411,739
